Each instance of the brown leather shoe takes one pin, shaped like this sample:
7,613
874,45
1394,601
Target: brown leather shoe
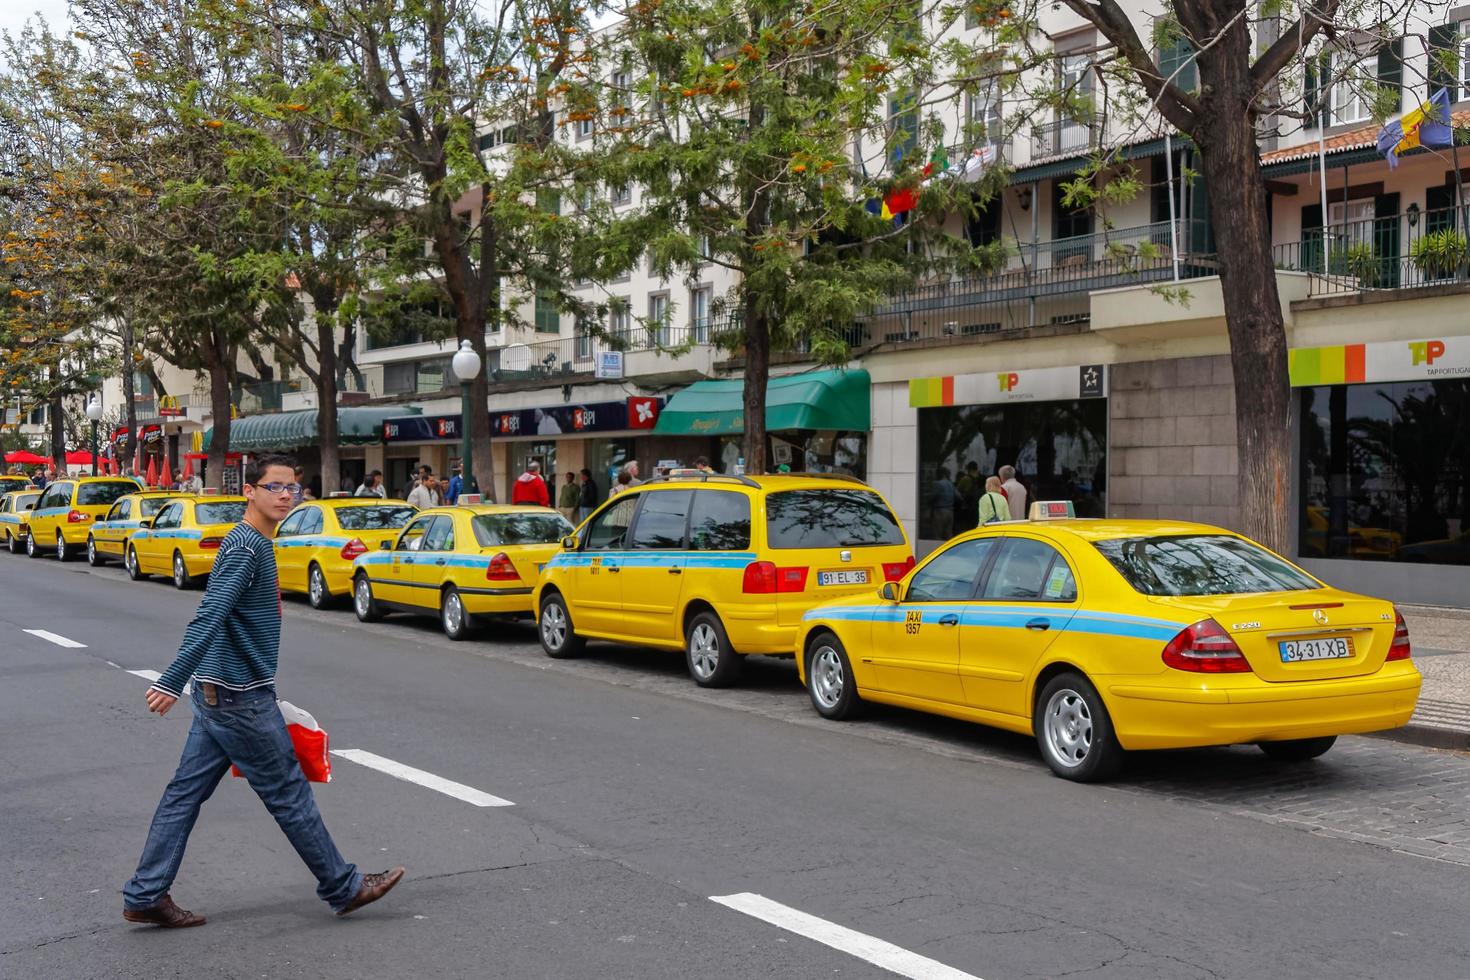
165,914
373,888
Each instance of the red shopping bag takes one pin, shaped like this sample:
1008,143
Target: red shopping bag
310,742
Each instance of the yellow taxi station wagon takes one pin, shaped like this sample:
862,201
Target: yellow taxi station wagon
108,538
68,508
318,542
717,566
1100,636
15,515
182,539
460,562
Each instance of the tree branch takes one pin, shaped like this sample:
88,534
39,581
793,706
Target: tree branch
1294,39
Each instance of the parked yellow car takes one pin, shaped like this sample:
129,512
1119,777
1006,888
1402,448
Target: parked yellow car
1108,635
461,562
318,541
718,566
15,516
109,537
67,510
12,482
182,538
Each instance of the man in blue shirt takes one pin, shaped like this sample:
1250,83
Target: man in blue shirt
229,652
456,486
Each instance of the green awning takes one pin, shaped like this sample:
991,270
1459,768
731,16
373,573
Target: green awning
815,400
361,426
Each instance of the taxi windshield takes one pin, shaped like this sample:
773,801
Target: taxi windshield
152,505
497,529
829,519
1201,564
224,512
24,500
374,518
98,494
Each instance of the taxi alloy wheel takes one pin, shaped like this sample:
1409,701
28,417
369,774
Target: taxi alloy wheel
62,554
182,578
363,602
135,571
707,650
93,558
452,617
316,588
31,550
1297,749
1075,731
558,638
829,679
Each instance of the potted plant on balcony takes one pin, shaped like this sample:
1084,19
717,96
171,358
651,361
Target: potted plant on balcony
1358,261
1439,254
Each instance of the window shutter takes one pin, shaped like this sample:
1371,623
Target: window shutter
1391,70
1442,41
1311,88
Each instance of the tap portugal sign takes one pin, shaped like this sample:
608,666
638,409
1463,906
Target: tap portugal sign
1026,385
1430,359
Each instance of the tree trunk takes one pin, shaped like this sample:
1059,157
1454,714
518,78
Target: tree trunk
1229,161
130,442
753,396
326,400
219,408
58,434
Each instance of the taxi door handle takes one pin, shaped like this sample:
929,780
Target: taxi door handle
441,561
949,619
612,569
676,571
1038,624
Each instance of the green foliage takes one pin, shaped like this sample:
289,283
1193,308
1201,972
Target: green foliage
1440,254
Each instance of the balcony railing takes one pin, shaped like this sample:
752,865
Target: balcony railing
1405,251
273,396
1066,136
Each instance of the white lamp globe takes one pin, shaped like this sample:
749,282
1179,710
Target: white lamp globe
94,409
466,363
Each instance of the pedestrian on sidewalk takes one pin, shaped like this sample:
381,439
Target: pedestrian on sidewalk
373,486
456,485
588,502
942,496
530,488
570,498
993,505
229,652
1015,493
426,493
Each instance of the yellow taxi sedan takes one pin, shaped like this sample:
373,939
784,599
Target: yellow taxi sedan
15,517
318,541
182,539
460,562
108,538
1103,636
64,515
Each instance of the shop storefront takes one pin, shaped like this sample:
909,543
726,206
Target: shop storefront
1384,456
818,422
1051,424
358,428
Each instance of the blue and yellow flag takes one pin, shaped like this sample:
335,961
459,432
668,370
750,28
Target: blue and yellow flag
1428,125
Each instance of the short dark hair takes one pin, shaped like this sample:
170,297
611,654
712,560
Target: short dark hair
586,472
257,466
701,461
376,473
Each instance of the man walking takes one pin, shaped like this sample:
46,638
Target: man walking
530,488
456,486
993,503
426,493
570,498
588,503
230,651
942,497
1015,493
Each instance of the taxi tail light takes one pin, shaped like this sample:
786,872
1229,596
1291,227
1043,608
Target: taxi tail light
895,570
1399,648
210,544
77,517
764,578
502,569
353,548
1205,648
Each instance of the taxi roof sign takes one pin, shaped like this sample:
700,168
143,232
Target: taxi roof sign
1051,510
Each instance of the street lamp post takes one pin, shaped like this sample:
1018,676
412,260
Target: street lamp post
466,366
94,415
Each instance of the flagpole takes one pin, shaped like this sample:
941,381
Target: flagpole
1322,181
1173,221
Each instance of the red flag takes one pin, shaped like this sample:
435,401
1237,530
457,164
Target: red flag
900,200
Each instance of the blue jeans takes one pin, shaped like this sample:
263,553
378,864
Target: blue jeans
245,728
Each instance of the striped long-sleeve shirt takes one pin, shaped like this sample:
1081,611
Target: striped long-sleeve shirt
235,637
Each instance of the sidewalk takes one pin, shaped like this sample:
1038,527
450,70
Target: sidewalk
1441,642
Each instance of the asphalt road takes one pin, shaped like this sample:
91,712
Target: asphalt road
639,798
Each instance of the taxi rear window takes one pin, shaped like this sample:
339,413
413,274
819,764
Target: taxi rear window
498,529
1201,564
225,512
374,518
152,505
829,519
98,494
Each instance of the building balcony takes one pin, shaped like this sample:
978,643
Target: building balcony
1404,251
1064,136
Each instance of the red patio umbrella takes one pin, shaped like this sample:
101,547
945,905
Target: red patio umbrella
79,457
152,471
166,478
26,458
188,472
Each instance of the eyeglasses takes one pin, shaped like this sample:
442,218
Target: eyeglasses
294,489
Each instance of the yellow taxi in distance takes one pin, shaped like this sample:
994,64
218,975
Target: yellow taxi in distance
109,536
1100,636
182,538
12,482
318,541
15,516
719,566
67,509
461,562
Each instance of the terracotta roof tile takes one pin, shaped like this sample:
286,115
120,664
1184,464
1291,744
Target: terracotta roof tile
1357,139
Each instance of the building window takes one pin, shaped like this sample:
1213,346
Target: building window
983,109
620,318
583,342
1351,102
584,129
432,375
658,318
398,378
548,318
1380,481
903,127
621,195
1176,61
699,313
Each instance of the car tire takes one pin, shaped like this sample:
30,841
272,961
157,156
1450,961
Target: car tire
31,550
94,557
363,603
130,562
1297,749
1074,730
316,588
12,543
829,680
554,625
182,578
63,553
457,623
708,654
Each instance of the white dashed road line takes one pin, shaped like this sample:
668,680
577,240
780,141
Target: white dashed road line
894,959
59,640
147,675
427,779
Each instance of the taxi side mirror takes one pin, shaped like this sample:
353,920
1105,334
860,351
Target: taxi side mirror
385,545
569,543
891,592
146,522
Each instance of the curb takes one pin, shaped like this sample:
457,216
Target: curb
1436,724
